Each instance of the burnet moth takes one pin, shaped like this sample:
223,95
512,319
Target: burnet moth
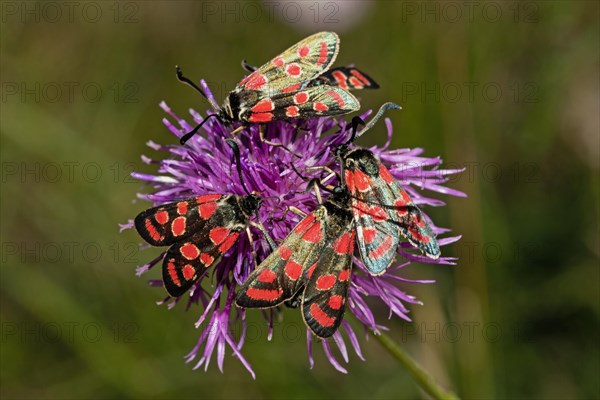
199,231
348,78
382,209
312,267
294,84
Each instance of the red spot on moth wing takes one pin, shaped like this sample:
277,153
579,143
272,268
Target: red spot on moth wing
349,178
230,241
356,83
267,276
401,208
418,236
262,106
182,207
404,198
340,78
278,62
303,51
344,275
310,270
173,272
337,97
217,235
292,111
153,232
264,294
254,81
300,97
322,54
284,252
294,70
206,210
293,270
205,198
320,106
261,117
362,182
206,259
382,249
335,302
320,316
291,88
314,234
189,251
325,282
162,217
178,226
344,244
385,174
360,76
418,220
189,272
378,213
369,234
304,224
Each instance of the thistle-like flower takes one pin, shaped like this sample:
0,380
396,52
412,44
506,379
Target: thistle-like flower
205,165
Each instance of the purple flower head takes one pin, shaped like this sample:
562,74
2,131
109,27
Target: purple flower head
205,164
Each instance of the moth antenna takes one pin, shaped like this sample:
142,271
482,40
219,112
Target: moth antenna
248,67
236,154
191,133
382,110
189,82
356,121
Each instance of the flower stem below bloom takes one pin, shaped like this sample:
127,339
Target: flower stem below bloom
423,379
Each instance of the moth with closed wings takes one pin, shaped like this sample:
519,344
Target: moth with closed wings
295,84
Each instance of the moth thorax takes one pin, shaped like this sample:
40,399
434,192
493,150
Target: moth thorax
250,204
365,160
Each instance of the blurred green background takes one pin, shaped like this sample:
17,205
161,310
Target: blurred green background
507,90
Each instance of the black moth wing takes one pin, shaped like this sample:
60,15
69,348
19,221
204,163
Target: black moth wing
348,78
200,230
169,223
283,273
325,295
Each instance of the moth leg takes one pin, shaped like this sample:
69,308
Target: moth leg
261,227
252,246
297,211
262,139
236,130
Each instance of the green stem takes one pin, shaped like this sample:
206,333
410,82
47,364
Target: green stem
423,379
